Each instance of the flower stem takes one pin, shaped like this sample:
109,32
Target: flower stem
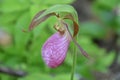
74,62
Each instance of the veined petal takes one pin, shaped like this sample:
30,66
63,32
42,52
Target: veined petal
54,50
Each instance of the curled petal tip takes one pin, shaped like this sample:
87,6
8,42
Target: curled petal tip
54,50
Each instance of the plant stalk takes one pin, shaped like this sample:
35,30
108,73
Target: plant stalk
74,61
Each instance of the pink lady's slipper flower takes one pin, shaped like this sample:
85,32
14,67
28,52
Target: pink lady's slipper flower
54,50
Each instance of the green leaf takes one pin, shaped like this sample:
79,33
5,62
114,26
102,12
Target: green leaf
21,38
57,10
107,60
14,5
61,9
85,71
5,77
93,29
107,3
41,76
104,61
49,2
36,8
7,18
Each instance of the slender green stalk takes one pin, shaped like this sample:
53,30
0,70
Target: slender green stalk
74,62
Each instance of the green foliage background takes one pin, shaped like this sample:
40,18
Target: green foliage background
24,52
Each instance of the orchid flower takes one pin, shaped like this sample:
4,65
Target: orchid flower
54,50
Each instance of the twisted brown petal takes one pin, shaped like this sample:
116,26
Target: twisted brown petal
35,21
75,42
76,27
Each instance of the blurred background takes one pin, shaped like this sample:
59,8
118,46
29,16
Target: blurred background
99,36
